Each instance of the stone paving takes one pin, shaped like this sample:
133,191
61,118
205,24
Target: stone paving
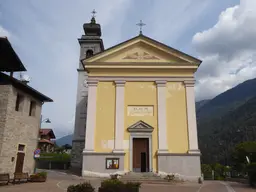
58,182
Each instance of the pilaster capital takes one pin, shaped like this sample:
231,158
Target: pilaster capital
92,83
190,83
120,83
161,83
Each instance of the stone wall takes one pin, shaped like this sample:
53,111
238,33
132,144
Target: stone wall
94,164
4,92
77,156
187,166
19,128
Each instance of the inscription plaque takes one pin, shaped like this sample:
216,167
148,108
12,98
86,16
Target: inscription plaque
140,110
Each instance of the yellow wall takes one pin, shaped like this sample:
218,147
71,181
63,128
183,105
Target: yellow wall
141,93
176,117
105,116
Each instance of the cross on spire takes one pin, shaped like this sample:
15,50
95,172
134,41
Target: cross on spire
141,24
93,13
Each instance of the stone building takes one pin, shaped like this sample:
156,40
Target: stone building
138,108
20,113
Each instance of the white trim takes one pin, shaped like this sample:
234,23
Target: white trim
141,78
91,116
161,110
191,117
119,117
141,135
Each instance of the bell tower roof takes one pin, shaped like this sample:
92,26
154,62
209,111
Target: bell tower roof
92,28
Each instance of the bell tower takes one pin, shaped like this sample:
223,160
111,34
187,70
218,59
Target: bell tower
90,44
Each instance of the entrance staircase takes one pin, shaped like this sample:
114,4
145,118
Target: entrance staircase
142,177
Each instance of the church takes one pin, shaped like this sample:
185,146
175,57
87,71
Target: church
135,109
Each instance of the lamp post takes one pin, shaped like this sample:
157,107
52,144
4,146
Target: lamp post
46,120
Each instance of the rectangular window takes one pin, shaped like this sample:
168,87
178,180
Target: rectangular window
21,147
19,101
32,108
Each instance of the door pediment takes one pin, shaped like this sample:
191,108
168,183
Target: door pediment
140,126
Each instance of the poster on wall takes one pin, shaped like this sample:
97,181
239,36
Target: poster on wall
112,163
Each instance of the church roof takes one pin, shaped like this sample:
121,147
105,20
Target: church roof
9,60
198,61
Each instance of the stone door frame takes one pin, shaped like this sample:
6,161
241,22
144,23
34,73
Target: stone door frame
141,135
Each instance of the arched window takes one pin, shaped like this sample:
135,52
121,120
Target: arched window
89,53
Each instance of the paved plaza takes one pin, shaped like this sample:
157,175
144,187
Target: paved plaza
58,182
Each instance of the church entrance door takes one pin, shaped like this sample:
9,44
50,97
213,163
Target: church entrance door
140,154
19,162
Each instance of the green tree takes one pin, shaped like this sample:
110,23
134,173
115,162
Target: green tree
241,151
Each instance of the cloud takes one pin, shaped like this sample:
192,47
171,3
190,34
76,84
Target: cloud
46,41
4,32
169,20
228,50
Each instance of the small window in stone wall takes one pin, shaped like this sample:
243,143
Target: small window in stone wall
21,147
32,108
19,102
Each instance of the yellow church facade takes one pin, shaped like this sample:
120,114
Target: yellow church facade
141,110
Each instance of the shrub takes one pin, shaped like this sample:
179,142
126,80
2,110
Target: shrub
114,176
82,187
56,157
114,185
251,168
38,177
207,171
170,177
42,174
132,186
220,178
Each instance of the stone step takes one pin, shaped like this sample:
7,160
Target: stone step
141,176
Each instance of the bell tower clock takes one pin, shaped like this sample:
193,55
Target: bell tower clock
90,44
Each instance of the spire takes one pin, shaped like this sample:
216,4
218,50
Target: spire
92,28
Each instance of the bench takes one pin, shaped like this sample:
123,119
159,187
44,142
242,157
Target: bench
5,177
20,176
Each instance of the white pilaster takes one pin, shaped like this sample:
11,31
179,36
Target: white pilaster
91,116
161,109
119,117
191,117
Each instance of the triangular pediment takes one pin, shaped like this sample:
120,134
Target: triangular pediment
142,49
140,126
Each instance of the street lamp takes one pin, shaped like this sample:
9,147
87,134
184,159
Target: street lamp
47,120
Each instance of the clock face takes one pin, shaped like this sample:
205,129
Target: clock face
85,84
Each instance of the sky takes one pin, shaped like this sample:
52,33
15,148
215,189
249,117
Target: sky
44,34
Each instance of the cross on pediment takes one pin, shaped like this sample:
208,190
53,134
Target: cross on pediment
140,126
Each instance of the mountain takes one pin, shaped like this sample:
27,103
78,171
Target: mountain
222,134
64,140
201,103
226,120
227,101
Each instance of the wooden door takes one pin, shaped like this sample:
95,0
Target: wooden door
140,155
19,162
